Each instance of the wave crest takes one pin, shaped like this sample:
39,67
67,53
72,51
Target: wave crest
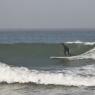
80,42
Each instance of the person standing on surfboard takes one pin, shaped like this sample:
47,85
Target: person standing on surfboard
66,50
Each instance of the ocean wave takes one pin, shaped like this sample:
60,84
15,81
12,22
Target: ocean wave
81,76
69,42
80,42
87,55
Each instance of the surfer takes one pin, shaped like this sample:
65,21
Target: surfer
66,50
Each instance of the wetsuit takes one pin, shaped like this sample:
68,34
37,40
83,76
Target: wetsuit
66,50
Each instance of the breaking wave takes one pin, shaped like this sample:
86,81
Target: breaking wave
80,42
71,76
87,55
78,76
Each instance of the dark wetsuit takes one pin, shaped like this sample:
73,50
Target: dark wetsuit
66,50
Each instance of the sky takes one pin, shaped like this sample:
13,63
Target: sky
47,14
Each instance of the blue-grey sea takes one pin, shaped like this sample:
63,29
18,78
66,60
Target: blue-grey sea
32,63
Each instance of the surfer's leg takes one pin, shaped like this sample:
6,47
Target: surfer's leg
68,52
64,52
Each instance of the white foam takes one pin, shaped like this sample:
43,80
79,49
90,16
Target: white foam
66,77
80,42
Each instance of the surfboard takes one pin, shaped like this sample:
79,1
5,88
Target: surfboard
66,57
60,57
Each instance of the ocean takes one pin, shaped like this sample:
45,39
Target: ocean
26,66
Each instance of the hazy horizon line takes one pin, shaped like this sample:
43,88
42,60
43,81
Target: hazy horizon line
48,29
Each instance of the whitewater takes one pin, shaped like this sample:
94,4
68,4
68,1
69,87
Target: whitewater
79,76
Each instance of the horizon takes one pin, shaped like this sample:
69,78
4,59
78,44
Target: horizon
66,29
